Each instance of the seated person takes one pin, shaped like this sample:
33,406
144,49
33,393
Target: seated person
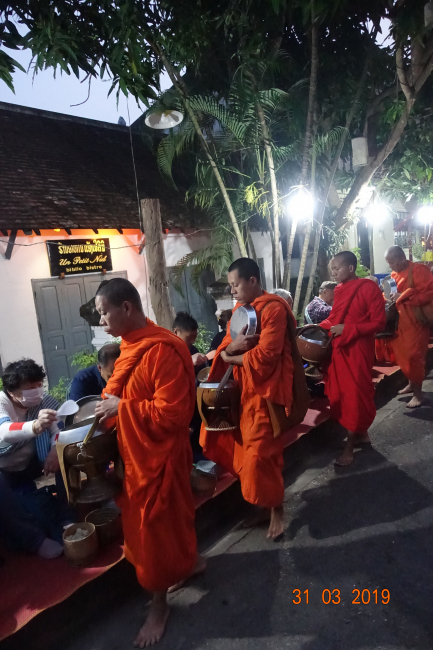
224,318
27,447
320,307
186,328
92,381
286,295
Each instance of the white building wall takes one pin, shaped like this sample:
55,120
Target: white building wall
352,237
383,238
19,333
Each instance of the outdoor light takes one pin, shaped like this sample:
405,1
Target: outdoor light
56,229
159,119
300,204
425,214
376,213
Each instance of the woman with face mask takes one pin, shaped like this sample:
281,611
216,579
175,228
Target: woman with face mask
28,430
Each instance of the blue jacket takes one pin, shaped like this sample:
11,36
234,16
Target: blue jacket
86,382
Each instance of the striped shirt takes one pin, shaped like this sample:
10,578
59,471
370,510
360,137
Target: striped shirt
18,443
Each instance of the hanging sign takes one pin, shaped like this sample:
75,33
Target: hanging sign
73,256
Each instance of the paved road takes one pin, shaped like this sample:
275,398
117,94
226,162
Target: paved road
363,530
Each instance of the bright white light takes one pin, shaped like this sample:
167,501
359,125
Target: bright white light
425,214
300,205
377,213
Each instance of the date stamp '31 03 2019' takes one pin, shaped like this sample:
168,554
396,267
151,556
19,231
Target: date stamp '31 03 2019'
333,597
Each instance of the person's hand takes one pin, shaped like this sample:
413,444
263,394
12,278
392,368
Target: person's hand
199,359
107,408
46,418
242,343
225,357
394,297
51,465
337,330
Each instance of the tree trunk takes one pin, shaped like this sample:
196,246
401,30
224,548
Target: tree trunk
304,255
274,191
371,247
330,180
311,127
155,256
181,87
252,248
308,136
290,244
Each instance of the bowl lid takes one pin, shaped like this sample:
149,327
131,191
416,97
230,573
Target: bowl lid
245,315
213,386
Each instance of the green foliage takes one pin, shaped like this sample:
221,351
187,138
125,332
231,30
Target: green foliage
238,55
203,340
408,171
333,238
84,359
417,251
1,383
60,390
361,270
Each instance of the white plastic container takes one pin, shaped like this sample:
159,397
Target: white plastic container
359,152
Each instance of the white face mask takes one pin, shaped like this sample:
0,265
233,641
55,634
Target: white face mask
31,397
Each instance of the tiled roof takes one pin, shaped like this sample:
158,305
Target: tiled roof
58,171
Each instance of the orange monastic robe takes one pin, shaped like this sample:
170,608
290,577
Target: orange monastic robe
252,453
155,378
384,349
410,346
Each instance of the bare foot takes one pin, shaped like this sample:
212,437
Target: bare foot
262,516
199,567
276,527
346,457
407,390
417,400
154,627
361,439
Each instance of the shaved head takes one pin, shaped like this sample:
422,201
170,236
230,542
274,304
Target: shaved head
119,290
118,303
343,267
396,258
396,252
348,258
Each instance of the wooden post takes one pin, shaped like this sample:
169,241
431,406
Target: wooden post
155,256
11,244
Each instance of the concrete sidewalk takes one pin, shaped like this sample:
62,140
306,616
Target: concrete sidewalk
367,527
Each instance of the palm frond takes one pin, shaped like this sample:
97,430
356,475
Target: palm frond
226,118
328,141
219,256
164,157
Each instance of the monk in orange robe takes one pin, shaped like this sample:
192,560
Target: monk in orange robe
384,352
263,367
414,289
358,313
152,395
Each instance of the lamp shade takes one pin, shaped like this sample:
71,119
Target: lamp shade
163,119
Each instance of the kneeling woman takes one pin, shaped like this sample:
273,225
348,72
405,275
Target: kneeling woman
27,435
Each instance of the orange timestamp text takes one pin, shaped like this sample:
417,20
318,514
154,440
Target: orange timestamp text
333,597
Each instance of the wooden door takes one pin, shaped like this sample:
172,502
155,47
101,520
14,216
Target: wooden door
61,328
